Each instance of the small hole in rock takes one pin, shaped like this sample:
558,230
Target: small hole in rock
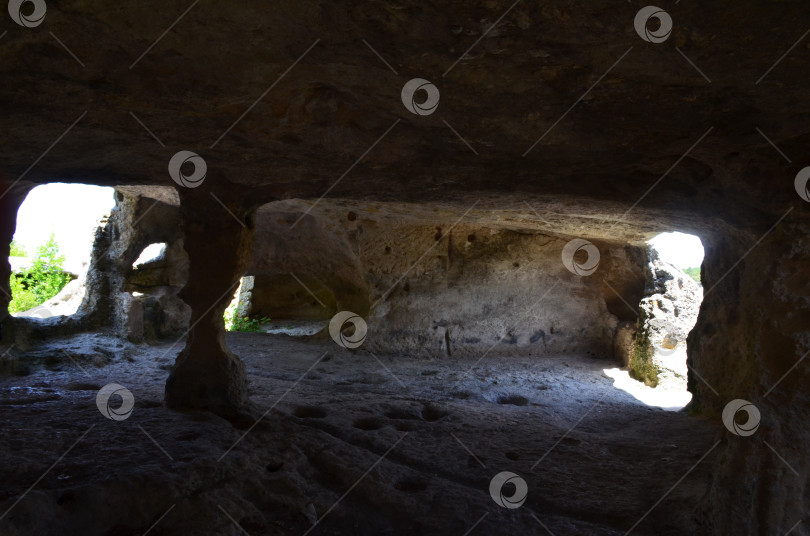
66,498
368,423
432,413
401,414
272,467
309,412
513,400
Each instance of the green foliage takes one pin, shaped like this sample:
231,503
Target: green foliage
245,324
694,273
22,298
17,250
42,281
234,322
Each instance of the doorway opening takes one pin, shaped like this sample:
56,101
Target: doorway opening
51,248
251,311
668,312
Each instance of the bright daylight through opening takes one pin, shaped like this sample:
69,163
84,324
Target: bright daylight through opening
50,253
657,365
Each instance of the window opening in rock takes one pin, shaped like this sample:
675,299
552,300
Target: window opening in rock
657,371
151,253
51,248
241,315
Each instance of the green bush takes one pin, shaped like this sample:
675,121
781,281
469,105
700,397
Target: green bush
41,282
17,250
22,299
234,322
247,325
694,273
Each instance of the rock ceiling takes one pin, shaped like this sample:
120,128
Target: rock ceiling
299,99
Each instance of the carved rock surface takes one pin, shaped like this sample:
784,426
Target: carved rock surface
668,312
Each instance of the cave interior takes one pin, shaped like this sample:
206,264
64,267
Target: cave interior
449,205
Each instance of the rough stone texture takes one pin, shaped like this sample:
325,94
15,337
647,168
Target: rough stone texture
326,432
207,375
751,342
623,343
244,296
10,201
621,165
438,289
478,287
154,286
318,253
144,298
671,303
667,313
340,98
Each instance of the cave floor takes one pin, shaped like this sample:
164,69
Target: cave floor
362,444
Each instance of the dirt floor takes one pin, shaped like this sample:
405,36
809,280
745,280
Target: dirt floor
350,443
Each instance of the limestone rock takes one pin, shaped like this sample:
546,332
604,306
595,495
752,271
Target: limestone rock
668,312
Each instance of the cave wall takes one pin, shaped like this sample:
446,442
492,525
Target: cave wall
651,114
12,197
479,287
142,302
293,260
751,342
427,287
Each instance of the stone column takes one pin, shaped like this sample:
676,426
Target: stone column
206,374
